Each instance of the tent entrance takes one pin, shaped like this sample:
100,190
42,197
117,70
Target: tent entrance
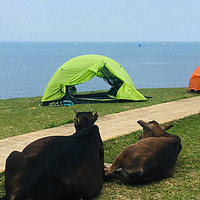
93,97
112,80
100,96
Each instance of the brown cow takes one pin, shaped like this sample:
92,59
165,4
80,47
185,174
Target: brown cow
153,157
58,167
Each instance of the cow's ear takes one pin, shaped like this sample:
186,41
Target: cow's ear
167,126
76,111
95,116
144,124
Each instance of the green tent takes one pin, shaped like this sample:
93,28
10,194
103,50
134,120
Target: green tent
83,68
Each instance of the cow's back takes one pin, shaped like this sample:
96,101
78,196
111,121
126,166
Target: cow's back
65,167
149,159
82,168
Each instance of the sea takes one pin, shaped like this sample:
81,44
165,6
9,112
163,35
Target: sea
27,67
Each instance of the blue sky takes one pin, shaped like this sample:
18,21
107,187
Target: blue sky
99,20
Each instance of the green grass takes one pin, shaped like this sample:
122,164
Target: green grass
185,183
2,181
23,115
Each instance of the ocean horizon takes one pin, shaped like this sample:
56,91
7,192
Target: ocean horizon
27,67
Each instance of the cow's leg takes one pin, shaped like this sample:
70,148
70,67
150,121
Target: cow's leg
109,169
124,176
119,171
118,163
107,165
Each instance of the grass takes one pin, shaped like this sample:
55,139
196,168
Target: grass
185,183
23,115
2,181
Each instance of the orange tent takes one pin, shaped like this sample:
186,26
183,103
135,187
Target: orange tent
194,83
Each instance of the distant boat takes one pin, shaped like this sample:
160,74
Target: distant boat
164,43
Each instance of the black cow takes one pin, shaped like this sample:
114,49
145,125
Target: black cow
84,119
153,157
57,168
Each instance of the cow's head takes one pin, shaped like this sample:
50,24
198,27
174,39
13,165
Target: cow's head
84,119
153,129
